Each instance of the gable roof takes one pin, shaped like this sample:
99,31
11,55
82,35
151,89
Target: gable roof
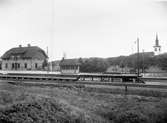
69,62
30,52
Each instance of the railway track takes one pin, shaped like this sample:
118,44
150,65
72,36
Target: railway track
71,83
85,79
71,77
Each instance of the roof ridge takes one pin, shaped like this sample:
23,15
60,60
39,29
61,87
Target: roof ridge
30,52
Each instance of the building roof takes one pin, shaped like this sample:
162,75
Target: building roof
69,62
29,52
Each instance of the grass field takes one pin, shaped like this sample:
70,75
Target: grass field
68,104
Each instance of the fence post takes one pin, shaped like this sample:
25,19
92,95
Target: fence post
126,89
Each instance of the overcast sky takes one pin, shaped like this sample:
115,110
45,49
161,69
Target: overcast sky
83,28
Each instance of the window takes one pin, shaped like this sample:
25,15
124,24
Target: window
12,65
6,65
25,65
36,65
18,65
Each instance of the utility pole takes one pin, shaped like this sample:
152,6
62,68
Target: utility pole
138,69
47,52
143,63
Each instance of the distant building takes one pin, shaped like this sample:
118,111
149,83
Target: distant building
54,65
24,58
118,69
69,66
157,47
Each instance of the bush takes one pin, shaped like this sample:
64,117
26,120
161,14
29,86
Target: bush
131,117
45,111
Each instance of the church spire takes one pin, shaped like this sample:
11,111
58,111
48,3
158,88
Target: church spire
156,41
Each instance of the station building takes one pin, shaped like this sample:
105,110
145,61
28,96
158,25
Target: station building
24,58
69,66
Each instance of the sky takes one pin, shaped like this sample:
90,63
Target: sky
83,28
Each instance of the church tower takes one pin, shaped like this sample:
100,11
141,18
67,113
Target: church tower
157,47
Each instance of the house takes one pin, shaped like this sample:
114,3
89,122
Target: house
69,66
24,58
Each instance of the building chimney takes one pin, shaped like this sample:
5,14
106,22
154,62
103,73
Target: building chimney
20,46
29,45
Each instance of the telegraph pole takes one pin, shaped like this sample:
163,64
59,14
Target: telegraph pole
143,62
47,52
138,69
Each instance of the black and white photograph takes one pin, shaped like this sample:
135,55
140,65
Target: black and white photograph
83,61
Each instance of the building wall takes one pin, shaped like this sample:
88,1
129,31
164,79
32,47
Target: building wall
54,66
69,71
157,50
30,64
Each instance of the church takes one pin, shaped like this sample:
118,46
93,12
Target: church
157,47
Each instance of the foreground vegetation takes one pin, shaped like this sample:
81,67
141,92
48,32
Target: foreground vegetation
19,104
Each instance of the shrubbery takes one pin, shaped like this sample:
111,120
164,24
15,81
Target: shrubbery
72,105
42,110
